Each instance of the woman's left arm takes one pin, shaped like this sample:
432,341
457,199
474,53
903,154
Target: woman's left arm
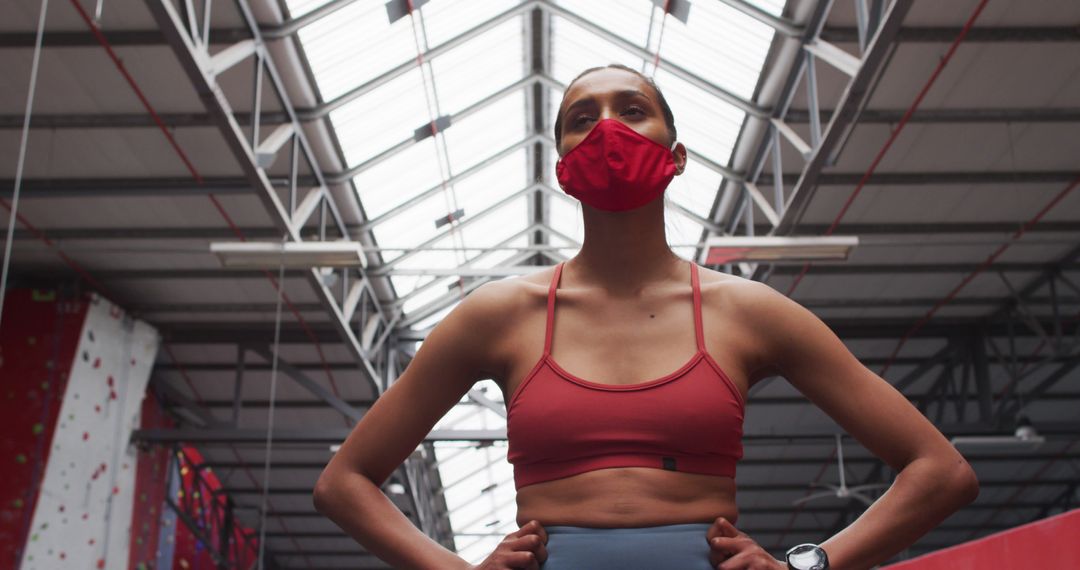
934,480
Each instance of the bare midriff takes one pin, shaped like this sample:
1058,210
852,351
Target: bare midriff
628,497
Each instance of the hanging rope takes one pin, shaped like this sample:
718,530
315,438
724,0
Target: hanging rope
659,38
449,195
14,208
264,504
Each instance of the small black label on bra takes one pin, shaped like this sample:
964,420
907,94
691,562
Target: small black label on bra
669,463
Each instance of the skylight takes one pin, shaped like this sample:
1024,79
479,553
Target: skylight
389,80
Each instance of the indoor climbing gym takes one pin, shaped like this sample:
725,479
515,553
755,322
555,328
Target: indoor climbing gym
540,284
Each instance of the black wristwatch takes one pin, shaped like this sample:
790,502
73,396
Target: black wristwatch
807,557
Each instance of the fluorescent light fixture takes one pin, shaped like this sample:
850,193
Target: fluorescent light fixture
766,249
1025,439
293,255
998,442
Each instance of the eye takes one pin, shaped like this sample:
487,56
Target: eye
632,110
580,120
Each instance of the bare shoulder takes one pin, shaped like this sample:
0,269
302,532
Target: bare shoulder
740,297
490,314
756,320
496,303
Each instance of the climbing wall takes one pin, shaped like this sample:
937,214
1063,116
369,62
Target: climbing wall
150,491
83,514
37,349
198,497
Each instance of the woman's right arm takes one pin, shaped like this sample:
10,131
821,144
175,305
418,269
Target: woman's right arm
462,349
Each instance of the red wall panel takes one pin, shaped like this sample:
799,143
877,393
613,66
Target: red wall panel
1052,543
37,346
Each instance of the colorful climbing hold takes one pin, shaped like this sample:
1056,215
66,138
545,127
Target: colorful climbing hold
37,428
20,458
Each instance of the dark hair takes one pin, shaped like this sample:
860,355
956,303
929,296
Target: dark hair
669,118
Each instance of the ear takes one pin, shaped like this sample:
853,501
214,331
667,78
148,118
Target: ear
679,155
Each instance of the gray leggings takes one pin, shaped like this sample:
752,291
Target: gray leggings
667,547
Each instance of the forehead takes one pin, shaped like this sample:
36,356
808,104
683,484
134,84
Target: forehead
605,81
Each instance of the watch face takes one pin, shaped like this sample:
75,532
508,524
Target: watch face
807,557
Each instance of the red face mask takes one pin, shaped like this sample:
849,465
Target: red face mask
615,168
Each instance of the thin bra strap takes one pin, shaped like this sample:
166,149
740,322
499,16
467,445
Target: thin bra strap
551,308
696,285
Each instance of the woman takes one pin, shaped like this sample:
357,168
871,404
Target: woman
622,462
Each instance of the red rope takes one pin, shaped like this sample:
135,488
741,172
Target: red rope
981,268
660,37
896,132
434,132
866,177
52,245
104,42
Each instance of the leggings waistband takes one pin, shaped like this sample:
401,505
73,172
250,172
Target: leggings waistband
682,527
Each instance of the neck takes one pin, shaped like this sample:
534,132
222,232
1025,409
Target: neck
625,251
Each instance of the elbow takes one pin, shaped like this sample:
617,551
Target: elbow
322,494
965,483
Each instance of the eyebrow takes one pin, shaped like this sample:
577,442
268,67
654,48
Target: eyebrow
624,93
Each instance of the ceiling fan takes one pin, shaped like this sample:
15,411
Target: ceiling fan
841,491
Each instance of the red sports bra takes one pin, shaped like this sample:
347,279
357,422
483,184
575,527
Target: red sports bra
560,425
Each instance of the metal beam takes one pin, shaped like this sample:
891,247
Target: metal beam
410,64
978,34
835,34
743,487
204,333
731,198
758,401
682,73
405,144
132,120
171,397
869,328
193,62
885,228
783,26
84,188
331,436
951,116
310,385
931,178
743,463
852,99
